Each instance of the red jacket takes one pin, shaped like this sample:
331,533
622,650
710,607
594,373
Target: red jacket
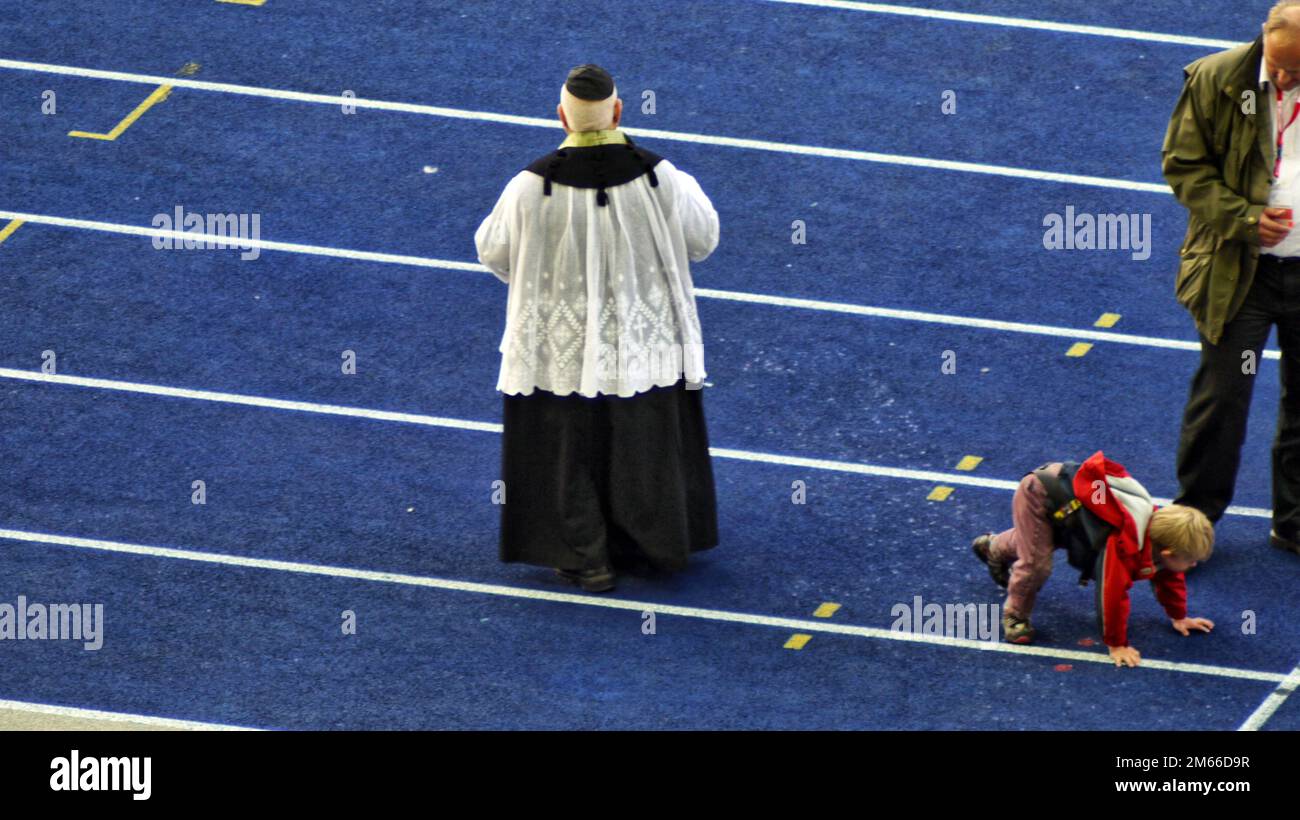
1106,489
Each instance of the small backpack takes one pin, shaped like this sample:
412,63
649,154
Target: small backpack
1074,527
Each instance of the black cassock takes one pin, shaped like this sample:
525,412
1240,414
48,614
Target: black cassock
607,481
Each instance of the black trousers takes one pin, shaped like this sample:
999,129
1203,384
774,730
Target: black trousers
1214,421
607,481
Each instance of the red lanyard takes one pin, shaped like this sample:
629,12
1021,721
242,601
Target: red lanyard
1295,111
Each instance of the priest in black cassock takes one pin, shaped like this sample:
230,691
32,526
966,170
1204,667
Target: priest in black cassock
605,456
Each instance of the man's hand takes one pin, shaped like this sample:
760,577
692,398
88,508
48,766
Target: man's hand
1186,625
1273,226
1124,655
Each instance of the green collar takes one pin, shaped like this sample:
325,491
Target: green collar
586,139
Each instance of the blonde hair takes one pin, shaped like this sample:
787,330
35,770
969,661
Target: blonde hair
590,115
1185,531
1280,20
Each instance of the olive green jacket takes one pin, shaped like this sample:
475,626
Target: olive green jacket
1218,157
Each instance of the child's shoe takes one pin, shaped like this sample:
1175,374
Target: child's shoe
1016,630
999,571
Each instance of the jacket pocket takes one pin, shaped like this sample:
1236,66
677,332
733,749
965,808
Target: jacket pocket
1192,286
1200,238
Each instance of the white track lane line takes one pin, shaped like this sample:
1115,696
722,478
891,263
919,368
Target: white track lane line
818,626
116,717
261,244
1271,703
249,401
707,293
928,476
1016,22
539,122
956,321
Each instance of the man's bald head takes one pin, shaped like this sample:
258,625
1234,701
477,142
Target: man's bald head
589,100
589,115
1282,44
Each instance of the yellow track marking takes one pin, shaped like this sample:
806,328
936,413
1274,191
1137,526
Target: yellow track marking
8,230
157,96
825,610
939,494
798,641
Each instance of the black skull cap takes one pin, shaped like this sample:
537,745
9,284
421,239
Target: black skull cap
590,82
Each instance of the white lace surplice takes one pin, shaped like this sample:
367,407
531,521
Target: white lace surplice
601,299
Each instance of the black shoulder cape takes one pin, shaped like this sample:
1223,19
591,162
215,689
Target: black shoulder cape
596,166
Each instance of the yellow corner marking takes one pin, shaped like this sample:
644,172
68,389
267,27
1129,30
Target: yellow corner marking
939,494
969,462
1079,349
189,69
157,96
798,641
243,2
8,230
1107,320
825,610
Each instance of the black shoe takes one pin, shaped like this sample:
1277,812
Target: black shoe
1283,543
998,571
591,580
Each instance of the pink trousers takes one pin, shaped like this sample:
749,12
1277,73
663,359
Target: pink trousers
1027,546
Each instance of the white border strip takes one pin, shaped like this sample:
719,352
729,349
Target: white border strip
1016,22
707,293
538,122
1271,703
818,626
858,468
117,717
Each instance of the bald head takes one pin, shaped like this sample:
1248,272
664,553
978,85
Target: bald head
1282,44
577,114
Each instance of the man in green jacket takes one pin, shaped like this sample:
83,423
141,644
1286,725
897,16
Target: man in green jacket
1239,178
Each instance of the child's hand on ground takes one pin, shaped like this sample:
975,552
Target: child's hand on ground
1124,655
1186,625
